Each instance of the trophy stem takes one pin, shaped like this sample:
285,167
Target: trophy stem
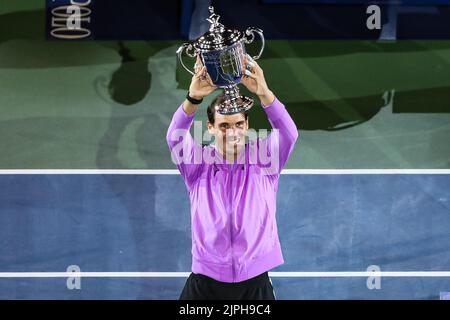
232,92
234,101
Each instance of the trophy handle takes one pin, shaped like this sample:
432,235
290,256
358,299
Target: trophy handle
250,37
189,51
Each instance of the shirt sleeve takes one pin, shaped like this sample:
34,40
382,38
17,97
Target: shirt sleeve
185,152
282,139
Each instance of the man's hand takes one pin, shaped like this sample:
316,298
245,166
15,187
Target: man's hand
255,82
201,86
201,83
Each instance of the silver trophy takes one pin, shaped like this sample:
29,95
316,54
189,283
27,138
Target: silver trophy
222,51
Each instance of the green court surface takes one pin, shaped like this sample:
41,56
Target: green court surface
97,104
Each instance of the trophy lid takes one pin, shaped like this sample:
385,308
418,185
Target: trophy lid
217,38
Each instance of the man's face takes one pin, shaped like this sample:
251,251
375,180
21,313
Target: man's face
229,131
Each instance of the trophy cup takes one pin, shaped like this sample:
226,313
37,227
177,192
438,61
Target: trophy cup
222,51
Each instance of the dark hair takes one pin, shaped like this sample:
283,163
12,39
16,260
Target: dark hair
211,110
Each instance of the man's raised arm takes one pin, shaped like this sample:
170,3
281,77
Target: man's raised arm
182,146
286,133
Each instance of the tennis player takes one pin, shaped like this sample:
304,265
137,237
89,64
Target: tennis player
233,196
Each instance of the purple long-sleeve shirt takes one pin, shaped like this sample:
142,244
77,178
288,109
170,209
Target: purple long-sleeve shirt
233,204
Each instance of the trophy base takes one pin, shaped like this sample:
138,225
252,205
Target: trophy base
234,102
235,105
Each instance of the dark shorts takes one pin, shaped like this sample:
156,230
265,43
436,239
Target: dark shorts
201,287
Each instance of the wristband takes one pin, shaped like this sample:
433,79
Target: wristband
192,100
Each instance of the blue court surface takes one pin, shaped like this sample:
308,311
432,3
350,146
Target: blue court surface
141,223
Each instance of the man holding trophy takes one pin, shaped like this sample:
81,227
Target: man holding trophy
232,191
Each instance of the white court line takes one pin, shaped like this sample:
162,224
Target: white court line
334,274
175,171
